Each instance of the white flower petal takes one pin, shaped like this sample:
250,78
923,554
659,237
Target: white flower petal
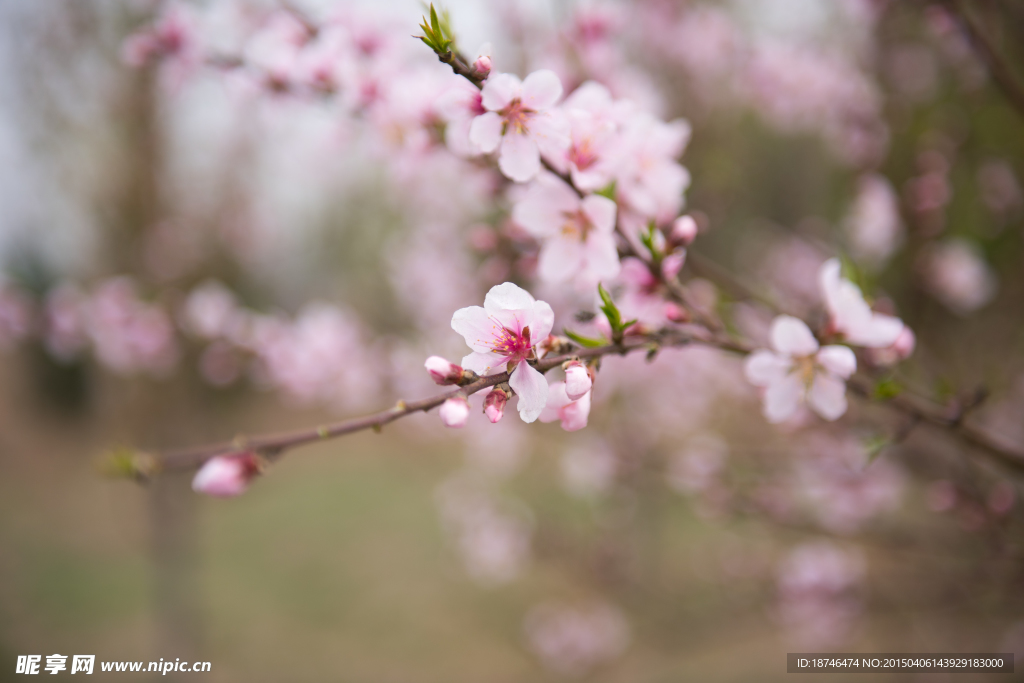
485,132
560,259
485,363
557,399
792,337
541,90
601,212
476,326
532,389
519,159
540,319
782,398
879,332
827,396
499,91
763,367
507,297
575,415
839,360
542,209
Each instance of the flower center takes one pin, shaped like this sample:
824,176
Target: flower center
576,225
515,346
806,370
516,116
582,154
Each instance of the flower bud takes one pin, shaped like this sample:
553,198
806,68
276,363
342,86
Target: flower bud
672,264
494,404
904,344
684,231
482,65
444,372
455,411
676,313
226,476
577,380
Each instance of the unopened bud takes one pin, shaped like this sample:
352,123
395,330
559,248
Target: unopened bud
577,380
684,231
494,404
904,344
554,344
455,411
225,476
482,65
676,313
672,264
444,372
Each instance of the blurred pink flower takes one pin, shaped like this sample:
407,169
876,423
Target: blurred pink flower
455,411
850,315
577,235
799,370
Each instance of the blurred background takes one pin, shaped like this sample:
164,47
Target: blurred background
218,217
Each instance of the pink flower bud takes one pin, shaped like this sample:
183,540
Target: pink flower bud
577,380
672,264
482,65
676,313
444,372
455,412
226,476
494,404
684,231
905,343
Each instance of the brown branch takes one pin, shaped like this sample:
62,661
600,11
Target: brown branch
274,444
997,67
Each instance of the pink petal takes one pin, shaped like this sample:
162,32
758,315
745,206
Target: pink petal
507,297
540,319
827,396
541,90
879,332
763,368
577,381
561,259
542,209
532,389
602,257
601,212
520,158
485,363
792,337
485,132
839,360
476,326
499,91
574,416
783,398
557,399
550,130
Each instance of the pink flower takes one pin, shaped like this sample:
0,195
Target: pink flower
520,118
578,235
572,414
850,314
442,371
494,405
226,476
799,370
577,380
592,116
503,335
459,106
873,223
455,411
648,179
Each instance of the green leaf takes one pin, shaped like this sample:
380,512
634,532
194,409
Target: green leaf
875,446
433,21
610,310
648,241
887,388
608,191
585,342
